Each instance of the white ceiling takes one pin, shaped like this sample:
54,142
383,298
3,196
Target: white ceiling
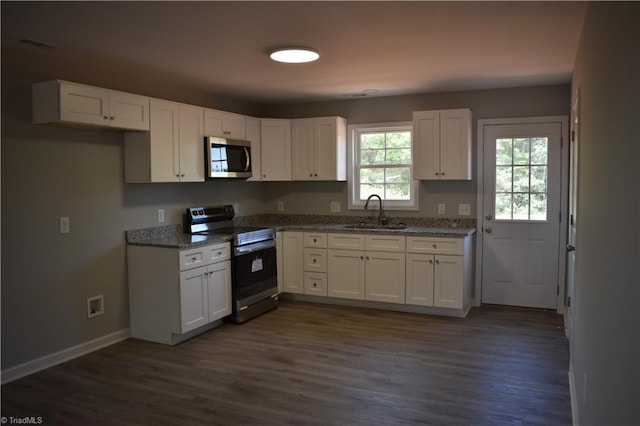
393,47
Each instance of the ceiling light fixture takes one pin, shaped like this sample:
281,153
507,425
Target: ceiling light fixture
294,55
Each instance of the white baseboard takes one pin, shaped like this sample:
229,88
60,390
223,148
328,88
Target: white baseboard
30,367
574,402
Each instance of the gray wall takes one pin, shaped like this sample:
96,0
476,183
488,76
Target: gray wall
309,198
606,340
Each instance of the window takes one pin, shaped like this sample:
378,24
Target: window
380,160
521,179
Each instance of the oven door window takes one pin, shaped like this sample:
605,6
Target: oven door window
254,272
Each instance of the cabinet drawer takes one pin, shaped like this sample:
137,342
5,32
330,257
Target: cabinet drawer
203,255
315,240
315,260
315,283
392,243
433,245
345,241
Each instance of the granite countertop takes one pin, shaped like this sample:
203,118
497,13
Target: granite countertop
172,236
433,227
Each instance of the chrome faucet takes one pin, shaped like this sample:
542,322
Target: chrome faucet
382,220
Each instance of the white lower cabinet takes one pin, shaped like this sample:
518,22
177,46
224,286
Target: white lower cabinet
435,279
425,271
174,292
364,273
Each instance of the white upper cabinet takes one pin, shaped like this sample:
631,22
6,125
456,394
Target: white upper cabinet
318,149
442,145
275,149
62,102
172,151
253,136
224,124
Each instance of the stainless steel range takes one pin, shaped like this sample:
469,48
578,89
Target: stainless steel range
254,271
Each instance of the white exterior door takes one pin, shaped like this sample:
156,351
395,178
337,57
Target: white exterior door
521,214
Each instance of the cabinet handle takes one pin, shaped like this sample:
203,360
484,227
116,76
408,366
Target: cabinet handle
264,175
367,257
315,175
430,261
314,261
193,259
314,240
361,257
435,246
314,284
310,174
437,174
106,117
437,262
112,118
226,132
442,174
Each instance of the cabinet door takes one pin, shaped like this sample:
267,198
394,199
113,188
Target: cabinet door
225,124
193,299
191,144
253,135
302,150
275,143
315,283
346,274
292,273
164,141
426,145
219,290
315,260
325,149
84,104
385,273
419,289
455,144
448,276
128,111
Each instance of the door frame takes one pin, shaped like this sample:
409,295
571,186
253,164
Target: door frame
564,198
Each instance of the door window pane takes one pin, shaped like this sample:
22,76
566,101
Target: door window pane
521,179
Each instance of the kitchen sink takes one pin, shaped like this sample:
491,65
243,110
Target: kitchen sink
363,225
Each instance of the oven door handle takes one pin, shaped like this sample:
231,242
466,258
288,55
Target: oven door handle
247,155
251,248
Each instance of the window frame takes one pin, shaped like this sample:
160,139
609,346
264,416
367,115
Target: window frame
353,177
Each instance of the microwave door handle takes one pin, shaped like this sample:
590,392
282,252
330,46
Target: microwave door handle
248,163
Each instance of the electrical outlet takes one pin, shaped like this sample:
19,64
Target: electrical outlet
160,215
335,207
464,209
441,209
65,225
236,208
280,206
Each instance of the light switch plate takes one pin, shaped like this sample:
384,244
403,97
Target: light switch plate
441,209
160,215
65,225
280,206
464,209
335,207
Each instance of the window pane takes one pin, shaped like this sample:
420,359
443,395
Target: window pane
503,207
372,156
398,156
538,206
521,179
371,175
538,179
521,206
521,151
503,151
539,151
372,141
503,178
369,189
398,175
397,192
399,140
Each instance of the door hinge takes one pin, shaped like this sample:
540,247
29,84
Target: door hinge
573,136
561,142
560,217
557,290
571,219
569,302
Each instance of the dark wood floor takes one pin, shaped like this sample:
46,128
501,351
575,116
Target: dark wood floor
315,364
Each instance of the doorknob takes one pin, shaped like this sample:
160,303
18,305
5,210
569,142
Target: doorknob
571,247
488,229
488,216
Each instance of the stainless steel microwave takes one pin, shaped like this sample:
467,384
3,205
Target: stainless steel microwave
227,158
